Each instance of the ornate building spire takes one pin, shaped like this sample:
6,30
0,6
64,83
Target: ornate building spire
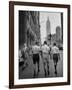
48,26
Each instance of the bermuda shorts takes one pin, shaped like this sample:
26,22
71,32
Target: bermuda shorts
35,58
45,58
55,57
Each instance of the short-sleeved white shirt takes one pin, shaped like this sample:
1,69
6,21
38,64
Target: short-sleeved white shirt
55,50
35,49
45,49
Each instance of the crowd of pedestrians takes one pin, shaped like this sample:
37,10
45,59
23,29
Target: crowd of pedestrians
45,52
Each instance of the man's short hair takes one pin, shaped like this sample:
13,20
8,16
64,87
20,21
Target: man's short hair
45,42
54,44
36,42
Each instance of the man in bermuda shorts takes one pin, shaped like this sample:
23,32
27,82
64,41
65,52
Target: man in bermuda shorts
45,56
36,58
56,56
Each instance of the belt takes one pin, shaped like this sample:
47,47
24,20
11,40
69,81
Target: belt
45,52
35,53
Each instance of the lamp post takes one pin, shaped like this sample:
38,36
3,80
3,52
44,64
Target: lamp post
49,38
50,44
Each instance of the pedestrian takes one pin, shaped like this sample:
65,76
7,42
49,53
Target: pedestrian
21,60
45,55
24,56
36,58
56,56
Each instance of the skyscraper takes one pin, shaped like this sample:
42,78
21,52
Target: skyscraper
29,27
62,26
48,27
58,35
48,31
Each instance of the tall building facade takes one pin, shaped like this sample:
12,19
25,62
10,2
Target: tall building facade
58,35
53,38
48,26
62,26
29,27
48,31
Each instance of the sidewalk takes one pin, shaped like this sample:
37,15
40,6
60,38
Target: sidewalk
28,71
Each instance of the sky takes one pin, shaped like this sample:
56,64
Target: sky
55,20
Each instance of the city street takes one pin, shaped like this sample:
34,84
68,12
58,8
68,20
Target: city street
28,71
